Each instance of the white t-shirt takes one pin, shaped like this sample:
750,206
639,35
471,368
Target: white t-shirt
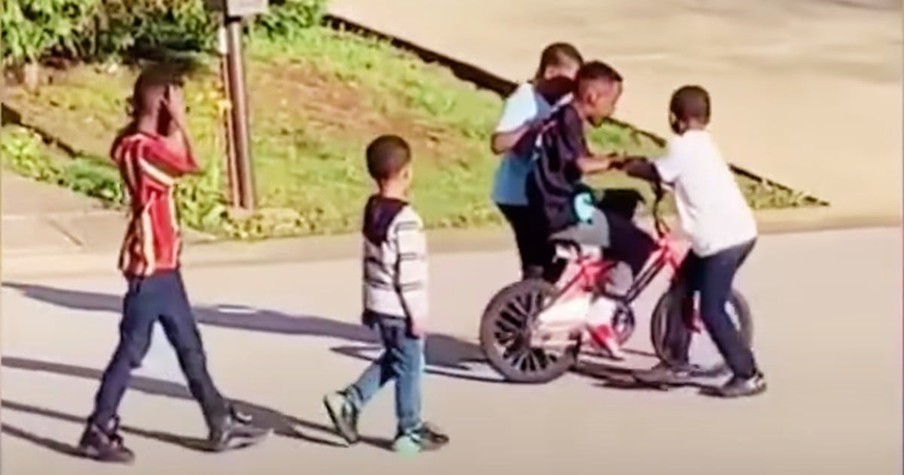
712,209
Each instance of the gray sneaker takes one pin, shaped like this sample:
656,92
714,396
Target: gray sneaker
344,416
739,387
425,438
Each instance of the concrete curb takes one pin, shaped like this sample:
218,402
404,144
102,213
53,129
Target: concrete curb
327,248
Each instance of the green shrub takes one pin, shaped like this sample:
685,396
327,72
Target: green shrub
287,18
99,29
30,29
138,26
23,152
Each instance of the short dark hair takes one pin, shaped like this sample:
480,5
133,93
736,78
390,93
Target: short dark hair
387,155
153,78
597,71
557,54
691,102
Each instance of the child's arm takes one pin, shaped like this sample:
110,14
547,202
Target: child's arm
666,168
573,143
173,156
180,160
517,140
411,270
593,164
639,167
518,121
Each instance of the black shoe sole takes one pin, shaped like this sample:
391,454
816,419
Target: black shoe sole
239,441
719,393
90,453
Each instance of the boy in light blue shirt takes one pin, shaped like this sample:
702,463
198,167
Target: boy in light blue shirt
523,115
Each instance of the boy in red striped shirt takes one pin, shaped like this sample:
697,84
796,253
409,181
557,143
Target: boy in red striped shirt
152,152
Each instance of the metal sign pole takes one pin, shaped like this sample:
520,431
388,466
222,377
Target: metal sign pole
232,178
240,140
235,71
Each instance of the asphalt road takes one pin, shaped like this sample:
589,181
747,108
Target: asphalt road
827,308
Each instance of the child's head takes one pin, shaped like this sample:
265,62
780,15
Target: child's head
389,164
157,92
597,89
559,62
689,109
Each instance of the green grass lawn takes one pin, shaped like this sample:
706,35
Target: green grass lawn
316,102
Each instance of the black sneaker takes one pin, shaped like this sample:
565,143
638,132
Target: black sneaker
234,430
426,438
105,444
663,375
344,416
740,387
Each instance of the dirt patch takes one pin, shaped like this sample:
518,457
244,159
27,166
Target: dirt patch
340,108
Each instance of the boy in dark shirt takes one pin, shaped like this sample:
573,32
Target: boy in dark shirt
556,192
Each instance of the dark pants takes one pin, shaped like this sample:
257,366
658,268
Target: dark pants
713,277
531,237
622,242
402,361
159,297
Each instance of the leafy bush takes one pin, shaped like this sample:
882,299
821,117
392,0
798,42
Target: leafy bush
287,18
23,152
98,29
29,29
137,26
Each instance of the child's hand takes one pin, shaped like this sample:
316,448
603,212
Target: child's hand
174,102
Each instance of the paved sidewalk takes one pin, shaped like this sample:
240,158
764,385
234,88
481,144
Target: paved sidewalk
49,223
806,92
38,218
44,226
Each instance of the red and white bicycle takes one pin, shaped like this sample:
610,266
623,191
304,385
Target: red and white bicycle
526,340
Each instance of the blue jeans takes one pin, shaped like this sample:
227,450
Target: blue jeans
712,276
159,297
402,361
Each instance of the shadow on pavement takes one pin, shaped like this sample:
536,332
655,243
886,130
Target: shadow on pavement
443,352
620,377
66,449
22,434
281,424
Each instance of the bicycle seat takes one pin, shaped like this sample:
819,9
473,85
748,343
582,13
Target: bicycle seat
594,234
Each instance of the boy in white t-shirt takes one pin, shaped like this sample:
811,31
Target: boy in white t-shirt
722,232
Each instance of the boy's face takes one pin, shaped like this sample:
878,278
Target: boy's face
600,99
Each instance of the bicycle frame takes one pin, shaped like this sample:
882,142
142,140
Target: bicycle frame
588,272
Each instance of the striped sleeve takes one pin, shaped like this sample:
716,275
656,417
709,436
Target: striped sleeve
411,272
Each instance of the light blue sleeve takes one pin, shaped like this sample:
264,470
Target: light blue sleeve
519,108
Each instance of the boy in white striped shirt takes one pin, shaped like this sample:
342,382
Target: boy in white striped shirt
395,302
